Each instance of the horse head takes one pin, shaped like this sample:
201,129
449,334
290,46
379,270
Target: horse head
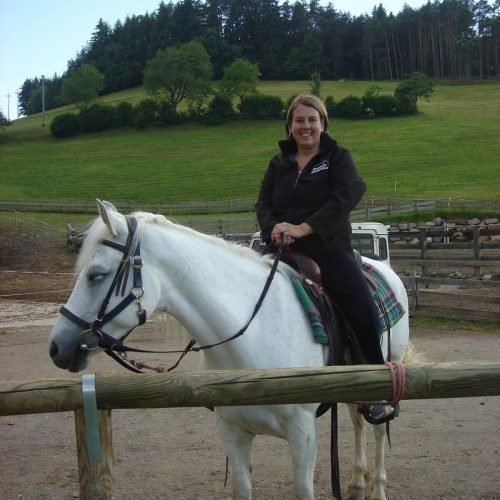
107,301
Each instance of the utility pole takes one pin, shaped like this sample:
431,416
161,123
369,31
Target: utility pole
8,107
17,104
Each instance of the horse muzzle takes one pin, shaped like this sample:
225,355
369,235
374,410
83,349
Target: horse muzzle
67,352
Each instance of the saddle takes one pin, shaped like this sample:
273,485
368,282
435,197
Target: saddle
389,309
308,268
338,332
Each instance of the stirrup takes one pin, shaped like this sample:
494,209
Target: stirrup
386,416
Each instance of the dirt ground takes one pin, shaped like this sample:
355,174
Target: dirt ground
441,449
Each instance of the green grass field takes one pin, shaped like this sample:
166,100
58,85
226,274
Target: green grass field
450,149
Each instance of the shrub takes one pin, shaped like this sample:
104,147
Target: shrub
65,125
167,115
220,110
411,89
147,113
261,107
380,105
125,114
406,104
350,107
97,117
330,106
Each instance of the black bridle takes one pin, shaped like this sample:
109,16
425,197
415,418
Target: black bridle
94,337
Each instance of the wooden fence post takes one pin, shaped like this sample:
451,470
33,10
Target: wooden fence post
477,250
423,250
94,445
96,475
414,292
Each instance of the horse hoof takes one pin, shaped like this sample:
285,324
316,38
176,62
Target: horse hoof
356,493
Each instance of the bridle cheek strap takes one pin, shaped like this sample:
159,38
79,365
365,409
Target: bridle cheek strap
131,297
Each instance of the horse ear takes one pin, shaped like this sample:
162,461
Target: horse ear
106,211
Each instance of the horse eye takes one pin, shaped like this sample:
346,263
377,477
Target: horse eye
96,276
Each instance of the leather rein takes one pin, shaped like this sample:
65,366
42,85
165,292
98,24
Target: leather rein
94,337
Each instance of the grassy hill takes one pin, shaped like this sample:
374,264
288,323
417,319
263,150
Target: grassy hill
450,149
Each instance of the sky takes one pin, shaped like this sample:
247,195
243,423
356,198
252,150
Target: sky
39,37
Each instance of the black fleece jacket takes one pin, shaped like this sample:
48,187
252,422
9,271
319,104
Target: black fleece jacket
324,194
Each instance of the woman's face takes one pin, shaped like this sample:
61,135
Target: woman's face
306,127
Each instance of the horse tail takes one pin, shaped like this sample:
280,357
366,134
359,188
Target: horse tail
411,355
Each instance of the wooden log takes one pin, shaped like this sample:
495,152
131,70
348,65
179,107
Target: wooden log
346,384
96,475
41,396
253,387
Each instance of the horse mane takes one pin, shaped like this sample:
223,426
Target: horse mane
98,231
237,248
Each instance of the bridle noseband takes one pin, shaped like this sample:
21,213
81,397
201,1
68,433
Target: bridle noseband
93,336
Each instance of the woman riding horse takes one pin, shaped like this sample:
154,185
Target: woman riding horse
304,202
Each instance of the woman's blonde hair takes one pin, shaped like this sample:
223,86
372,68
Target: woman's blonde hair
307,100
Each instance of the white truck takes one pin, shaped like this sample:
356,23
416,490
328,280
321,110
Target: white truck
370,239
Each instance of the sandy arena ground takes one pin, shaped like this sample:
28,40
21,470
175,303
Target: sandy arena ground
441,449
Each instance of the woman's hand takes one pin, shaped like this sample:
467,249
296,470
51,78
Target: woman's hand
285,233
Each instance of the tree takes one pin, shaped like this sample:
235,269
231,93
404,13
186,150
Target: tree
30,94
179,73
83,86
315,83
240,79
101,38
413,88
3,120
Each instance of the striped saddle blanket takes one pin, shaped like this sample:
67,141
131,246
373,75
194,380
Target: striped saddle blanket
390,310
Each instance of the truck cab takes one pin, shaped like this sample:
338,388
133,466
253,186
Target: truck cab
370,239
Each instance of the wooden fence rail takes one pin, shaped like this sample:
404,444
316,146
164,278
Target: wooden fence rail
475,300
222,388
252,387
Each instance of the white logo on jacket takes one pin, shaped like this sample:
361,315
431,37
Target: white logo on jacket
324,165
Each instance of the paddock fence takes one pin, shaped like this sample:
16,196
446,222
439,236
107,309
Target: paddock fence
369,208
92,398
471,300
443,277
446,278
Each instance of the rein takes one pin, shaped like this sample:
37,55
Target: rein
94,337
190,347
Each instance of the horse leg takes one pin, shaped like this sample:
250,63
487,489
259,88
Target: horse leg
302,441
238,446
379,475
357,484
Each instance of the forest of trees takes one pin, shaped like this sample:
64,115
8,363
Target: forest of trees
446,40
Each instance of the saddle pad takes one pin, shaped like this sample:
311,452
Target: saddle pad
312,312
390,310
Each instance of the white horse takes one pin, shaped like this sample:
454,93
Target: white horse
211,287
